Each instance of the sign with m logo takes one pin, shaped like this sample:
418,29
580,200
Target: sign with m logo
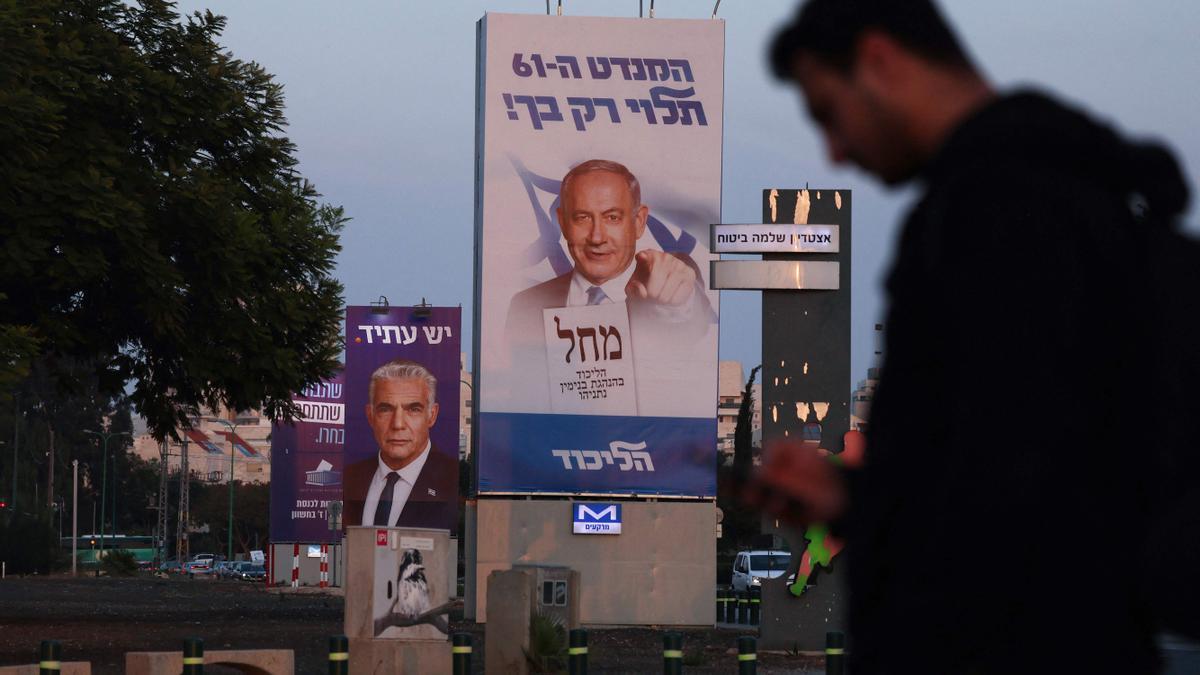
596,518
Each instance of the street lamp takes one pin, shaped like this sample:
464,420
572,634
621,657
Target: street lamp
232,436
104,435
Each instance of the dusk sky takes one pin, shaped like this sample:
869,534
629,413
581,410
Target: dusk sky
380,99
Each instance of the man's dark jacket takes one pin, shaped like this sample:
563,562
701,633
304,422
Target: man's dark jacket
432,503
1000,521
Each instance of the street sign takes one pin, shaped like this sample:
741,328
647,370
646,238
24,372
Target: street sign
596,518
775,238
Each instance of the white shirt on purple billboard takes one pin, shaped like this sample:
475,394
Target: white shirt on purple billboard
400,492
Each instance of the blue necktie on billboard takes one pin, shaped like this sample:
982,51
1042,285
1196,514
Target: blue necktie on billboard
596,295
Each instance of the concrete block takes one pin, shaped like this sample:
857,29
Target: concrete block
68,668
250,661
510,597
380,656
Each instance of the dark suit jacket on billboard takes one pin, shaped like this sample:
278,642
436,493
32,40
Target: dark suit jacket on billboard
432,503
523,326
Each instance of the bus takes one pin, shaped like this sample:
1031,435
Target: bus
88,548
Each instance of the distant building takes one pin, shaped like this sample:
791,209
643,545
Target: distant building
466,399
209,444
860,401
864,393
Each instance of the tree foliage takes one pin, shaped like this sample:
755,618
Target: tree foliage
743,434
251,510
119,563
154,220
740,525
29,544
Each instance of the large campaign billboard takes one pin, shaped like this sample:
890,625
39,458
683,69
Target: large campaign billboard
598,176
306,464
402,397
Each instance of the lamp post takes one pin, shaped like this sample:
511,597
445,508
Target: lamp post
103,435
74,516
232,442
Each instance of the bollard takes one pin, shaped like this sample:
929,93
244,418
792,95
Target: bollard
835,653
720,605
726,614
339,655
193,656
743,607
577,652
755,605
49,658
747,655
462,653
672,653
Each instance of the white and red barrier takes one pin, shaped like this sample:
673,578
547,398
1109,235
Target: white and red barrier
296,565
324,565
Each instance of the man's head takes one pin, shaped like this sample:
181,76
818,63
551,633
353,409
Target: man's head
601,216
401,410
886,80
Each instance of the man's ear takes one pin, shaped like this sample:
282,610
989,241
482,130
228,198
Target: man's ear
639,220
433,413
880,63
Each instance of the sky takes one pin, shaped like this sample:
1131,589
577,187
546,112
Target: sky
380,100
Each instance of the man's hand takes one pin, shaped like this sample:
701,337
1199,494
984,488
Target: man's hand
799,483
662,278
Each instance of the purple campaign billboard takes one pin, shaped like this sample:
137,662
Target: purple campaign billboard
306,465
402,398
599,173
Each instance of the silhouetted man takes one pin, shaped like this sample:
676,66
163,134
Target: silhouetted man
994,526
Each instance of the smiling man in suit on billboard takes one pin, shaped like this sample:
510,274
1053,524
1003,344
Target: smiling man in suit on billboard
602,217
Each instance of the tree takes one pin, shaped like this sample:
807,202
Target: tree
154,220
740,525
210,507
743,434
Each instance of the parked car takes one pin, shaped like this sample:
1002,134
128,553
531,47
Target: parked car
252,571
171,567
202,563
231,570
751,567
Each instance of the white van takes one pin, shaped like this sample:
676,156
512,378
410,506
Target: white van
751,567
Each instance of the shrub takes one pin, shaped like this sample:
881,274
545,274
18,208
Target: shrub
547,651
29,545
118,563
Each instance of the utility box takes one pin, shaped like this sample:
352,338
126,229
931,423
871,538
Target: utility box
397,599
555,592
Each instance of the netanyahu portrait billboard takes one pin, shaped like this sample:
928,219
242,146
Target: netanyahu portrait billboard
598,176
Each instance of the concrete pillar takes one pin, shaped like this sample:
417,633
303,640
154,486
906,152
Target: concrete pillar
510,603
